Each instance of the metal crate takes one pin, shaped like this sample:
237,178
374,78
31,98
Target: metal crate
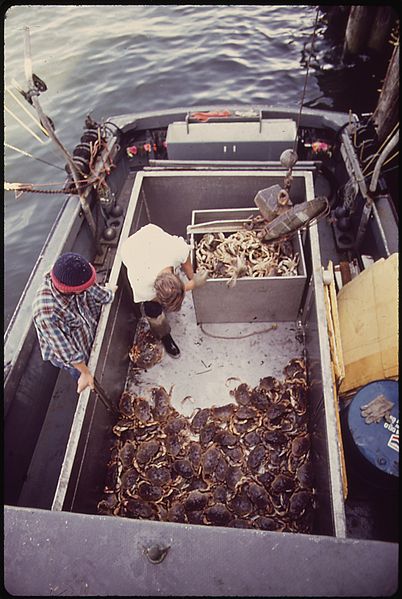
265,299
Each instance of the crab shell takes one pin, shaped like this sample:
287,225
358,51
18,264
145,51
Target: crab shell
217,515
252,439
300,445
240,504
194,453
259,399
128,481
207,434
150,492
256,457
196,501
299,503
282,484
176,513
234,454
142,410
209,461
200,419
221,469
225,438
108,506
126,405
127,453
259,497
234,477
183,468
266,523
304,475
138,508
147,450
242,394
222,413
158,475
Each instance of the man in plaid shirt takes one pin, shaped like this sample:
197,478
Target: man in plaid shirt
66,312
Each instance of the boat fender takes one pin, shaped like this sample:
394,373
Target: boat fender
80,163
109,233
89,135
116,211
83,150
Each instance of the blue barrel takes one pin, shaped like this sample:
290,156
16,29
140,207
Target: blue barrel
373,448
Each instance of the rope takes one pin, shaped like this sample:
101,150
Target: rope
271,328
30,156
381,147
305,79
27,111
23,124
22,188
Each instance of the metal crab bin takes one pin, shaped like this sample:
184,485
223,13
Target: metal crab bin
262,299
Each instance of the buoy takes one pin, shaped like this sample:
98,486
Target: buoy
116,210
288,158
109,233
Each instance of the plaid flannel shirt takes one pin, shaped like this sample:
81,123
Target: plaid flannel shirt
66,324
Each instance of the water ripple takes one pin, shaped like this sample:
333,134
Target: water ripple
113,59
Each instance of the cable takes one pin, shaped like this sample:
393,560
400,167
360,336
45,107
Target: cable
381,147
305,79
271,328
30,156
23,124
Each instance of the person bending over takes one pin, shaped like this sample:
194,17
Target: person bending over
66,310
152,257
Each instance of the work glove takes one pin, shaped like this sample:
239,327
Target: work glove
378,408
200,278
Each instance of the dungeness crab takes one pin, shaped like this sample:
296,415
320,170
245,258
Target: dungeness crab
244,464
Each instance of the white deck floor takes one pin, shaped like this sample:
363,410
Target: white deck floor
206,363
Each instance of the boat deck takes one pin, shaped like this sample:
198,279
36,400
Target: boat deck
212,364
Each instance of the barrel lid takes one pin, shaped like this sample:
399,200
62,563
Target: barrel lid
377,442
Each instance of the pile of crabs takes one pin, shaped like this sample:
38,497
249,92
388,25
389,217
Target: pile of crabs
244,464
243,254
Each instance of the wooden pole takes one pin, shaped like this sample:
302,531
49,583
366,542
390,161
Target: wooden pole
387,111
381,28
47,125
357,29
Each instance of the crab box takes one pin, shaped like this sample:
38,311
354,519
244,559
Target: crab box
251,299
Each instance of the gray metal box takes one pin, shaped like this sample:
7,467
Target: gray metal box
265,299
262,140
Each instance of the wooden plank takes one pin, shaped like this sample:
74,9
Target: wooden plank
335,320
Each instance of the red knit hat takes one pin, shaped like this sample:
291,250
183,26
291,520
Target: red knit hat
72,273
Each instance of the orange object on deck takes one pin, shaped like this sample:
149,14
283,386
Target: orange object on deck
205,116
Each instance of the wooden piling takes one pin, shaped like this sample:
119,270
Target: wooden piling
357,29
387,111
381,28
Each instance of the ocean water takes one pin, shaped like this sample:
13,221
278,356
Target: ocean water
106,60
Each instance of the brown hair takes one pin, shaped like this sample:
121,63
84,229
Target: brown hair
169,291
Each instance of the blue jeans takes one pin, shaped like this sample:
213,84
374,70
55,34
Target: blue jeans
70,369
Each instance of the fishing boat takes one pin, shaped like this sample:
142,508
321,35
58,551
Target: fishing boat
192,171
